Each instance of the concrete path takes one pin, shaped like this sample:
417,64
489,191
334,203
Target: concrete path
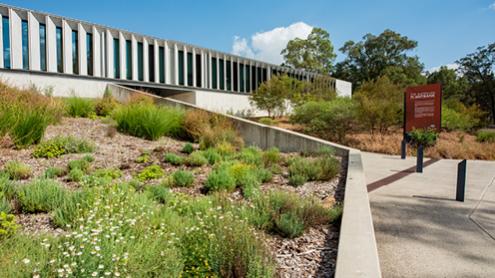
421,230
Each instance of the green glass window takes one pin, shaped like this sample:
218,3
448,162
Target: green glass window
75,53
6,41
151,62
248,78
198,70
253,78
241,76
181,67
236,77
161,63
140,61
25,45
229,75
128,59
116,58
89,53
42,47
222,74
60,55
189,69
214,72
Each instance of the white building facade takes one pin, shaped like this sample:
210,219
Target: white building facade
76,57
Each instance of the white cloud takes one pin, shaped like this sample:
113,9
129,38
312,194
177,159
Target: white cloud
492,6
266,46
453,66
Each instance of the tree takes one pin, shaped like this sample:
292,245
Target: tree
318,89
454,86
313,54
375,56
272,95
380,104
478,68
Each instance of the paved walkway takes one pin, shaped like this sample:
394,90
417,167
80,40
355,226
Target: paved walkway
421,230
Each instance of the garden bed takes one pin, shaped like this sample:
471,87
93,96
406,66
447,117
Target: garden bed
309,254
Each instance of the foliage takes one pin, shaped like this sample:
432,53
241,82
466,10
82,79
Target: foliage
61,145
486,136
8,227
375,56
271,95
106,105
250,155
379,104
151,172
324,167
271,157
220,179
423,137
453,119
79,107
17,170
212,155
160,194
267,121
143,158
188,148
76,175
149,121
314,53
29,127
81,164
454,86
182,178
329,119
173,159
196,159
40,195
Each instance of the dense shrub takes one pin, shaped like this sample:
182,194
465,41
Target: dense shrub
41,195
106,105
424,137
251,155
143,158
30,127
196,159
323,167
79,107
61,145
151,172
81,164
212,155
485,136
75,175
267,121
17,170
188,148
271,157
8,227
173,159
108,173
5,205
457,116
327,119
72,207
160,194
149,121
220,180
182,178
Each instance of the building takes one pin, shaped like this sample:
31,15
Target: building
70,56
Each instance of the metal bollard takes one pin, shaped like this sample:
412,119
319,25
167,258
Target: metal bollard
419,160
461,181
403,146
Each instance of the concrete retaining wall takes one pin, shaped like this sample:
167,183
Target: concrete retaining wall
357,254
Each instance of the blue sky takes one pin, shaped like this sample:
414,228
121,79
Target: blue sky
446,30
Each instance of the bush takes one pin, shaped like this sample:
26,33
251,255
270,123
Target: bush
160,194
79,107
72,208
220,180
297,179
188,148
196,159
251,155
212,155
143,158
182,178
271,157
485,136
76,175
289,225
8,227
105,106
81,164
149,121
30,127
173,159
267,121
108,173
151,172
17,170
41,195
324,167
61,145
53,172
424,137
4,204
457,116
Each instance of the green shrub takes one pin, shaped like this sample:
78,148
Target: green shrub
79,107
61,145
457,116
95,181
143,158
289,225
105,106
7,186
323,167
264,175
220,180
182,178
173,159
8,227
30,127
108,173
271,157
196,159
17,170
53,172
424,137
335,213
4,204
212,156
41,195
160,194
76,175
250,155
485,136
297,180
151,172
188,148
81,164
72,208
89,158
149,121
225,149
267,121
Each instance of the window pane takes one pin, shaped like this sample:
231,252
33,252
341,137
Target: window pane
181,67
25,45
60,57
229,75
42,47
248,78
189,69
198,70
140,61
260,76
6,42
241,77
75,53
214,72
116,58
151,62
161,62
128,59
89,53
265,76
236,77
222,74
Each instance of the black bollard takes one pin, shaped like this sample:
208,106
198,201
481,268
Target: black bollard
461,180
419,160
403,145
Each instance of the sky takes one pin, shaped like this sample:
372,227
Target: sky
446,30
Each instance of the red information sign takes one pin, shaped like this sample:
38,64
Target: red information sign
423,107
